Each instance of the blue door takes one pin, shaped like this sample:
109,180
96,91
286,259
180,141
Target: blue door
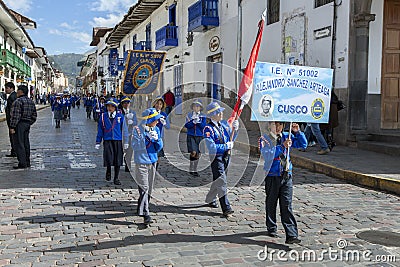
216,79
178,88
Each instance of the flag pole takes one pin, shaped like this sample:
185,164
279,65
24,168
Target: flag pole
288,152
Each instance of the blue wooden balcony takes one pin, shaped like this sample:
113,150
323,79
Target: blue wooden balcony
167,37
143,45
203,15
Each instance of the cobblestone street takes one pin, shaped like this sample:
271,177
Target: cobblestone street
63,212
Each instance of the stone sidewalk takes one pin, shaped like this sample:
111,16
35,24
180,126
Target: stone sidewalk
62,212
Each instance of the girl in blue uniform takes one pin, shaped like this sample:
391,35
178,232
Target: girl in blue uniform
57,108
146,143
131,119
88,104
112,130
163,122
274,147
195,122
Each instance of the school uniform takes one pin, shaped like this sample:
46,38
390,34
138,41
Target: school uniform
216,136
88,103
131,120
162,128
57,109
112,130
146,143
278,181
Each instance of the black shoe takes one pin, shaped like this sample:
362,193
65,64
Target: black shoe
228,213
117,182
126,169
19,167
293,240
273,234
108,176
147,220
196,174
11,156
213,205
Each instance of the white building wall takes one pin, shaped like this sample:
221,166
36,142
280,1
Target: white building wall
376,48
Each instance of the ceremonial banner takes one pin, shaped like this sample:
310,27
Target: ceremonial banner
291,93
142,71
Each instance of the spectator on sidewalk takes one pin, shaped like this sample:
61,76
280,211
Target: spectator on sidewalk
274,147
12,96
23,115
316,131
169,99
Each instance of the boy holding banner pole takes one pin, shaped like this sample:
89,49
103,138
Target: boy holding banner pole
275,147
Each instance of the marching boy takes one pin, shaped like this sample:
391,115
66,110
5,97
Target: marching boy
217,136
274,147
146,143
195,122
112,129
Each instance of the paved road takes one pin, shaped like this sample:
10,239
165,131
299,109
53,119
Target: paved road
63,212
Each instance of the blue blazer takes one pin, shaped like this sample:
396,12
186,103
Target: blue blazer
216,138
195,129
145,149
115,129
272,153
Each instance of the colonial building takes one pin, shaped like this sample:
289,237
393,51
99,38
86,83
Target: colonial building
20,61
207,41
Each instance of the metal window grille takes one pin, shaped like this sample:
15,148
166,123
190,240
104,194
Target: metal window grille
273,11
319,3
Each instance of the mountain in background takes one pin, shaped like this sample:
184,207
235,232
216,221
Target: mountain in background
67,63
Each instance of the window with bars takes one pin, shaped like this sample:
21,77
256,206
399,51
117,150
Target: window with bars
273,11
319,3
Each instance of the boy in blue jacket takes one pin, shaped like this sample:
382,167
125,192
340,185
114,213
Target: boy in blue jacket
57,108
146,143
274,147
217,134
112,129
195,122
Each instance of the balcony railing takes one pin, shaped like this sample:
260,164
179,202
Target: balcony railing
9,58
167,37
143,45
203,15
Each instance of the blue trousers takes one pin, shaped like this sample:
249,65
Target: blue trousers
277,188
219,187
316,131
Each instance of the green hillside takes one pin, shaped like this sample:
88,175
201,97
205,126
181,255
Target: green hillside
66,63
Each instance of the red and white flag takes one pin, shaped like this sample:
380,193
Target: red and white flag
246,85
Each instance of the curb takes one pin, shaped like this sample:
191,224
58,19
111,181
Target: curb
3,118
370,181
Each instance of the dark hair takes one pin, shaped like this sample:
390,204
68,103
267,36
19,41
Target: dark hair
266,100
24,89
10,85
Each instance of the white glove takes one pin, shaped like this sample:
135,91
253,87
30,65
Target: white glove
235,125
129,116
196,120
163,121
126,146
154,135
147,128
97,146
130,122
230,145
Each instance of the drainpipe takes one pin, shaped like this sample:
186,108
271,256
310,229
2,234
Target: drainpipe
334,35
239,47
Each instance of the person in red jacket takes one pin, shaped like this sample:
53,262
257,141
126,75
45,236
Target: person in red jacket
169,99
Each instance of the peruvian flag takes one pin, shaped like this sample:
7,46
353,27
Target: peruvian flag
246,85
